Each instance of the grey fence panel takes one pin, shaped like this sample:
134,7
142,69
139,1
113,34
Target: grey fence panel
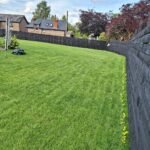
85,43
138,87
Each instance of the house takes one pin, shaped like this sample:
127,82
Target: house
48,27
18,22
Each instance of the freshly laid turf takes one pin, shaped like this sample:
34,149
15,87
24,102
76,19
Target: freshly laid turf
61,98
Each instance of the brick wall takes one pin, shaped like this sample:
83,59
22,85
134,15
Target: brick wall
23,25
16,26
2,25
46,32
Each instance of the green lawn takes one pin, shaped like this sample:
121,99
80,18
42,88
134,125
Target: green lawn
61,98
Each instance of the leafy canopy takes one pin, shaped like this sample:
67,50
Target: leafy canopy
92,22
42,11
133,18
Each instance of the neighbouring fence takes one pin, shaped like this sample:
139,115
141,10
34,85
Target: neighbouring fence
137,53
85,43
138,87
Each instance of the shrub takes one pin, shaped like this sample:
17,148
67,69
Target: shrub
2,44
14,43
103,37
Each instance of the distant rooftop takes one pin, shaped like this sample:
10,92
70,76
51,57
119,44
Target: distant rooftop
13,18
48,24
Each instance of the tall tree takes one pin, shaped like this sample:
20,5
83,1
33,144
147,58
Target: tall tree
92,22
133,17
42,11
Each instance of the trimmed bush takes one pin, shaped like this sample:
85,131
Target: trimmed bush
14,43
103,37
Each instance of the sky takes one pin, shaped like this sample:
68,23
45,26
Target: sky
60,7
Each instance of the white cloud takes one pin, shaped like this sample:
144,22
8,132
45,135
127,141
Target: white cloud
4,1
58,8
29,7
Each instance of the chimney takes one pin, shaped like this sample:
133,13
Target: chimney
55,24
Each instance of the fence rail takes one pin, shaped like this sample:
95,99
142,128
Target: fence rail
85,43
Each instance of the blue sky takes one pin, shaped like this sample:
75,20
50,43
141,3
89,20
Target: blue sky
59,7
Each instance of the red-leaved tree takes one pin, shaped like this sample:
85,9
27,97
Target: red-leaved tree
133,17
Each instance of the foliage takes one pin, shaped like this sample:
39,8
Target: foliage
71,27
76,31
61,98
64,18
53,17
14,43
92,22
103,37
132,17
2,43
77,34
42,11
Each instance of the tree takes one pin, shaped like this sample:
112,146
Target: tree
71,27
103,37
64,18
92,22
42,11
133,17
53,17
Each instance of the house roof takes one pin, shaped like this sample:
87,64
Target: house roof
48,24
13,18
